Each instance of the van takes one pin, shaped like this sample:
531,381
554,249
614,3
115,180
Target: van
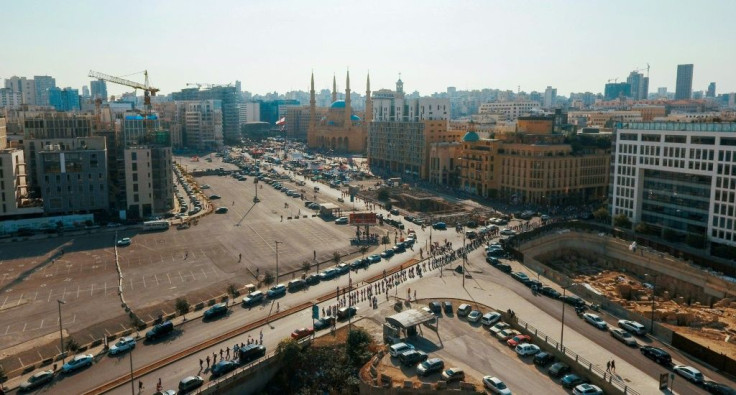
399,348
295,285
251,352
160,330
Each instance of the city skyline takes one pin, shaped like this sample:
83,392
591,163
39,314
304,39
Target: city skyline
571,46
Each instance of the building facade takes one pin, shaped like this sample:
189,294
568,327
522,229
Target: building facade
203,124
99,89
340,130
677,178
512,110
13,188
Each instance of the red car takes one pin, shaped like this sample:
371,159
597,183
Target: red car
518,339
301,333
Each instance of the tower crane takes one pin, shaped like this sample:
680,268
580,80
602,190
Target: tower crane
148,91
642,69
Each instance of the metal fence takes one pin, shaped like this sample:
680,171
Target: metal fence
594,369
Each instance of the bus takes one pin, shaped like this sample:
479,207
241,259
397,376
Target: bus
156,225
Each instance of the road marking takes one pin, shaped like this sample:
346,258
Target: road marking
156,277
131,284
74,319
19,300
167,275
35,296
193,277
144,281
63,295
6,299
92,290
180,276
105,288
41,325
205,274
6,330
49,298
24,326
77,291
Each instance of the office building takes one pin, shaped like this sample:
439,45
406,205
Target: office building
66,99
13,187
203,125
639,85
232,104
98,89
252,111
711,90
511,110
684,84
550,95
43,84
26,87
618,90
679,179
9,98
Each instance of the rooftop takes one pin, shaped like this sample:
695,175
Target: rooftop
681,126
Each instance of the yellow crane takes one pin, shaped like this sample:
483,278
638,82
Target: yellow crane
148,91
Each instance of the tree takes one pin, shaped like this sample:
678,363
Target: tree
290,351
383,194
71,345
642,228
336,257
306,266
232,289
182,306
363,249
601,214
622,221
357,345
268,278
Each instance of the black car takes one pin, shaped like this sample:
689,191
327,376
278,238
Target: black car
558,369
324,323
718,388
215,311
312,279
551,292
447,306
543,358
504,267
534,283
574,301
160,330
223,367
412,357
435,307
492,260
658,355
250,353
346,312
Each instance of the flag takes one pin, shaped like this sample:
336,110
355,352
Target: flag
281,121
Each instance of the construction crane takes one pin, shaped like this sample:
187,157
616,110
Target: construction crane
148,91
615,80
642,69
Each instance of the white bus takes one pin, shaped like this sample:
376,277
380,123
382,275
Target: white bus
156,225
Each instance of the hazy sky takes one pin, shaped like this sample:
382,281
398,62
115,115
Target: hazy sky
273,45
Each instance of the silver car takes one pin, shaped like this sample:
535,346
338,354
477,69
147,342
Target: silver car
124,344
623,336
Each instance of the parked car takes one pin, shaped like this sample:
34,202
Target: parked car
518,339
37,380
253,298
492,260
250,353
656,354
328,274
520,277
342,221
587,389
412,357
463,310
571,380
276,291
491,318
223,367
189,383
221,210
217,310
78,362
447,306
633,327
623,336
474,316
399,348
689,372
508,232
375,258
430,366
558,369
543,359
125,344
435,307
346,312
504,267
495,329
453,374
301,333
551,292
495,385
160,330
387,254
215,197
324,323
595,320
439,226
526,349
718,388
507,334
125,241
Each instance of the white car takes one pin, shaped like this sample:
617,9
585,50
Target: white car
474,316
399,348
623,336
508,232
525,349
124,344
78,362
489,319
587,389
689,373
595,320
125,241
633,327
342,221
495,385
495,329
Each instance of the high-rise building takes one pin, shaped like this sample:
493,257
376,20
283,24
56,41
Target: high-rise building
85,92
66,99
684,85
678,179
98,89
203,124
550,95
639,85
43,84
9,98
232,103
26,87
711,90
617,90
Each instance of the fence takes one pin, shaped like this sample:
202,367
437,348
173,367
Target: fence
601,377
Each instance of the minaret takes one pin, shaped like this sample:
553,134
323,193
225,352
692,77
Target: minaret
348,109
312,105
334,89
368,101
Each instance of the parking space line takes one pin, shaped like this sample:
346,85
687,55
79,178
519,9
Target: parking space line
92,290
49,298
63,295
180,276
131,284
77,291
167,275
193,276
35,296
74,319
24,326
156,277
144,281
41,325
105,288
19,299
6,299
205,274
6,330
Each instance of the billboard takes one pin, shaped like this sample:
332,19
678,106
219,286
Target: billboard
363,219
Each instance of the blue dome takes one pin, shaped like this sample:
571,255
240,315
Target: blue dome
471,137
354,118
338,104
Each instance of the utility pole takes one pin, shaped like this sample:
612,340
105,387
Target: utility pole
654,288
61,332
132,382
277,259
464,258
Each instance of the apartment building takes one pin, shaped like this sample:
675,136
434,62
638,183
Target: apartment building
512,110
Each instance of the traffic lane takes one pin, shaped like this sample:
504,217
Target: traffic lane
471,347
579,325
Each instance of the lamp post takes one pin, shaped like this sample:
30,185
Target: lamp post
277,259
562,329
464,259
654,288
132,386
61,333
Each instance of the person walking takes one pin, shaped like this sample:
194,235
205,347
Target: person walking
208,361
140,386
608,367
201,362
613,366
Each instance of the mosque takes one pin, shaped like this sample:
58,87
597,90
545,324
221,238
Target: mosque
340,130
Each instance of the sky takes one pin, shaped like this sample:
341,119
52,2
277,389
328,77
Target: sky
274,45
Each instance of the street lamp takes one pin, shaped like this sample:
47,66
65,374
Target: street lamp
61,333
654,288
277,259
562,330
464,259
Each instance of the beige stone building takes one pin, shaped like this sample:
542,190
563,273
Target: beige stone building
339,130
